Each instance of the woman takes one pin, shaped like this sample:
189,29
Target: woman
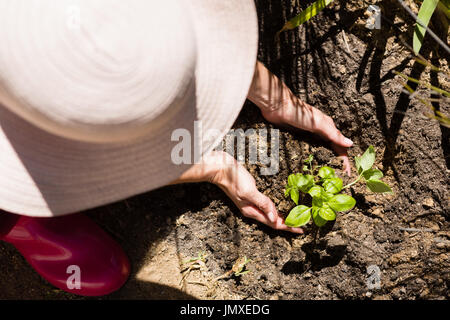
88,109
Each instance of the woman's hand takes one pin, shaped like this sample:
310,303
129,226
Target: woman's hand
223,170
280,106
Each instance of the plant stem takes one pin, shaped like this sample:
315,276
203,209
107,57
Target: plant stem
350,184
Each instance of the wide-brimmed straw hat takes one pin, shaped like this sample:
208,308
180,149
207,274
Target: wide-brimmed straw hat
96,94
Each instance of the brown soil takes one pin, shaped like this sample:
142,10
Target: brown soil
356,86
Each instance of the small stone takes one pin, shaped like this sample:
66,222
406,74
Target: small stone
443,245
342,69
307,275
428,202
368,294
434,226
424,293
378,212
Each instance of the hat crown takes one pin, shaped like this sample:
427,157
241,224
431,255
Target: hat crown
96,70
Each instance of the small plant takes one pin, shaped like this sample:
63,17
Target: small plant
325,187
237,270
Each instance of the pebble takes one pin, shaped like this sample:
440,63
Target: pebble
428,202
378,212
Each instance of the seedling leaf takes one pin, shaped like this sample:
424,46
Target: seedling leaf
342,202
305,182
318,220
295,195
378,186
358,164
333,185
287,192
326,172
309,160
367,160
327,214
292,180
299,216
372,174
315,191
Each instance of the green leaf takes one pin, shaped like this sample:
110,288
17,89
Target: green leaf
298,216
316,191
378,186
326,196
317,202
287,191
333,185
295,195
358,164
292,180
327,214
318,220
305,168
326,172
341,202
426,11
309,160
372,174
305,182
366,161
305,15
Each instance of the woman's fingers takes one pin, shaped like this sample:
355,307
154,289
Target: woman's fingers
342,154
265,205
253,212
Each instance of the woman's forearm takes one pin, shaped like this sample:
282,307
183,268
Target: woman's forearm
267,91
207,169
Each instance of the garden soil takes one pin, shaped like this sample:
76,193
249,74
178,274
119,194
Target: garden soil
387,247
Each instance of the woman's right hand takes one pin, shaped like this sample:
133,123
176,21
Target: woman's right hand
240,186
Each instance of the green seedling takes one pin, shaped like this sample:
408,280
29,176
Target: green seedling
237,270
195,263
324,187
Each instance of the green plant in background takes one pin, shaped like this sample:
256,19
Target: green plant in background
305,15
425,12
443,119
325,188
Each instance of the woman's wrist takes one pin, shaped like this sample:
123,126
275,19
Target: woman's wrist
208,170
267,91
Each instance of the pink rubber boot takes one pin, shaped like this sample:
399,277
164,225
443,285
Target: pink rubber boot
71,252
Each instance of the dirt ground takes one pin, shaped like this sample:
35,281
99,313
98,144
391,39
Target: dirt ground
334,63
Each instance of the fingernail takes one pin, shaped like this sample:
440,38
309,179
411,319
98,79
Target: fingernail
348,141
271,216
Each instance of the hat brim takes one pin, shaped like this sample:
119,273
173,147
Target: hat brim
44,175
